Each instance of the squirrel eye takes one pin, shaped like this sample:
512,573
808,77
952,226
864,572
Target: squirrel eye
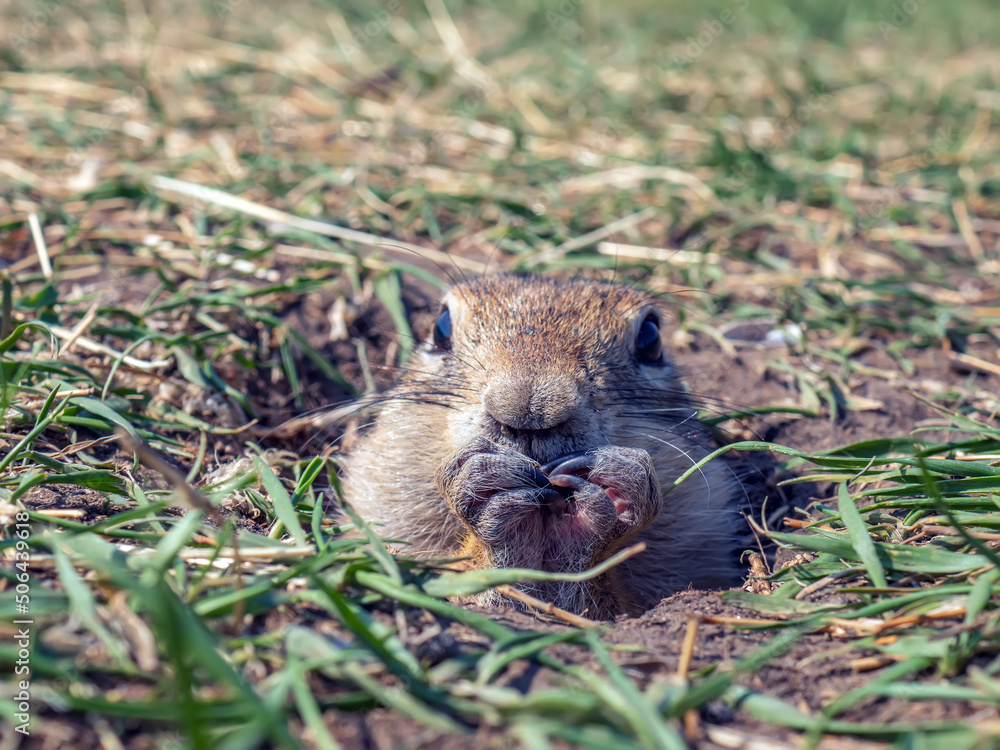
647,342
442,331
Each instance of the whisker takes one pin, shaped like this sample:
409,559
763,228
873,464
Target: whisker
686,455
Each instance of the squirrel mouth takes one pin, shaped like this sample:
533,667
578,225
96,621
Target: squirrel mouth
543,445
557,502
547,447
558,496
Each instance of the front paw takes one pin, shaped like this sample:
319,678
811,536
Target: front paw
615,486
491,487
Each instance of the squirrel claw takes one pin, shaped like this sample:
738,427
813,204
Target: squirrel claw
551,466
579,465
569,481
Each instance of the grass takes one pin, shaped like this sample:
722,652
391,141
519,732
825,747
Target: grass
216,222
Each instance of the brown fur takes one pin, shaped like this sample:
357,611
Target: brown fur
556,361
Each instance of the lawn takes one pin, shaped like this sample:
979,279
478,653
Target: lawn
222,225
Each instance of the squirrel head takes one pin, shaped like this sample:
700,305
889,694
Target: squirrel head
548,366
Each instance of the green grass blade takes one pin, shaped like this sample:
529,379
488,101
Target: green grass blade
860,539
282,502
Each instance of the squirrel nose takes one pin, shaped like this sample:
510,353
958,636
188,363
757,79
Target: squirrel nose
532,403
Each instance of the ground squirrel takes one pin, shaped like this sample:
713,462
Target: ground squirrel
536,429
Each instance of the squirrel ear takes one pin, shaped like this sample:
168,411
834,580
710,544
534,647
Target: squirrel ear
442,331
648,347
